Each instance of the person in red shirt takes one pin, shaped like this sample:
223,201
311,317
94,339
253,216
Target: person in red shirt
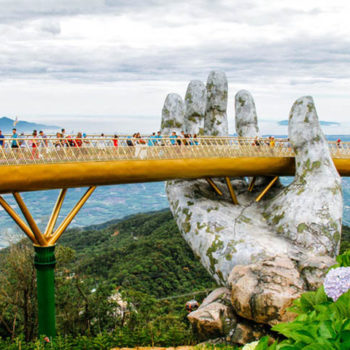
78,140
35,150
115,141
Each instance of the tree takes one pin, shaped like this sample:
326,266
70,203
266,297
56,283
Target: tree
18,302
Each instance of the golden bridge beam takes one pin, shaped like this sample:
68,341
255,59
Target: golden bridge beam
23,226
262,194
232,191
55,212
57,234
215,188
32,224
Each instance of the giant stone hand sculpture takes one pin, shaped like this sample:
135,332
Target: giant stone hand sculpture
266,253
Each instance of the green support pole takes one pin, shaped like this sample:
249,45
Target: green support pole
45,275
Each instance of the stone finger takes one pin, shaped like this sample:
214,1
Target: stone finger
195,103
215,121
245,115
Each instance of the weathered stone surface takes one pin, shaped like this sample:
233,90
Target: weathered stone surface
195,103
246,117
262,292
215,121
309,211
312,270
221,295
220,233
215,316
246,332
212,319
172,114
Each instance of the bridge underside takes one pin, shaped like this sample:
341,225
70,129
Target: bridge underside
33,177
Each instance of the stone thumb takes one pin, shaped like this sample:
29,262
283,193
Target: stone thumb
308,141
309,211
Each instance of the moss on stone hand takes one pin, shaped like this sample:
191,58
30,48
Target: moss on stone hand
241,101
215,246
277,218
188,97
301,227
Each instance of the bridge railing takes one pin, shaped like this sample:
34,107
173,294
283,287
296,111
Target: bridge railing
29,150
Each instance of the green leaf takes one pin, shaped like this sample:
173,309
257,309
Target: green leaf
345,336
321,296
346,325
343,260
302,336
325,330
317,347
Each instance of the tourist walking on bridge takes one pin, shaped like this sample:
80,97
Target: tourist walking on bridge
152,141
159,139
14,142
115,141
173,138
35,149
44,142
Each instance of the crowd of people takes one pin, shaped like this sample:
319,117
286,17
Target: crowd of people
81,139
39,140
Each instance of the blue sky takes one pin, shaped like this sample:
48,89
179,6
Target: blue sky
117,59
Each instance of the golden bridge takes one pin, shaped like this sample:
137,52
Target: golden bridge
31,164
63,163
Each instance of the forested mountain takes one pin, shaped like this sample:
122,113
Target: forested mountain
6,125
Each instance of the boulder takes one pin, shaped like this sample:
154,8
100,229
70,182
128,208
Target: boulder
262,292
215,316
312,270
246,332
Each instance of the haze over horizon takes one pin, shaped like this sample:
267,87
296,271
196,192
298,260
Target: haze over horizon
117,60
122,125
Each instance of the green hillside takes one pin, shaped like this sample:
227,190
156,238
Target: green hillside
144,252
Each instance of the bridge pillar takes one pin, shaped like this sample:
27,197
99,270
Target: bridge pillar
45,262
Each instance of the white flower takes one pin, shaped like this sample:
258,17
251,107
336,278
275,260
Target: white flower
337,282
250,346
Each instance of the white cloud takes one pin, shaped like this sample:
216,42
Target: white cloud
99,57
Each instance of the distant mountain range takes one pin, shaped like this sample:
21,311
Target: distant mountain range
323,123
6,126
